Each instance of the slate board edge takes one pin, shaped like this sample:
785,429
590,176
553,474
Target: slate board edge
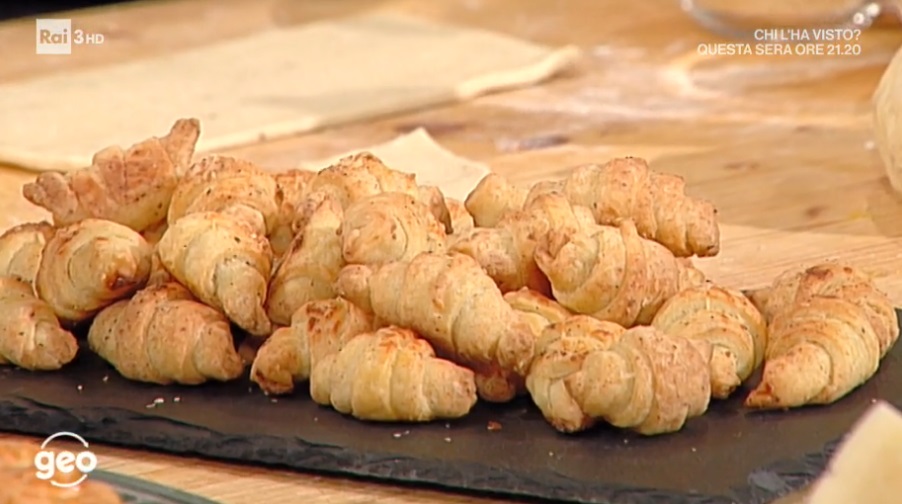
123,428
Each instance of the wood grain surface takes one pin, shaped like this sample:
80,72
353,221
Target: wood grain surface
782,145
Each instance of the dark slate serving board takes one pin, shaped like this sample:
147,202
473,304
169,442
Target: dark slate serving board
727,456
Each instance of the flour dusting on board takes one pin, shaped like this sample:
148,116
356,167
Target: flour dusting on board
679,83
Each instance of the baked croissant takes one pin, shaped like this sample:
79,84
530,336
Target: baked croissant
21,248
224,262
461,220
621,189
433,198
218,183
30,334
728,321
561,351
293,186
625,188
309,268
832,280
389,227
19,482
641,379
818,350
452,303
163,335
612,273
361,175
392,375
89,265
317,329
132,187
538,310
507,252
493,198
829,327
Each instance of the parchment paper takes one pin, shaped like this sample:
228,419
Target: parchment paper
417,153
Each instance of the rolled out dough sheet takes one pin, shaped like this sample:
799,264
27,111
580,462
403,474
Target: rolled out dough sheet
418,153
274,83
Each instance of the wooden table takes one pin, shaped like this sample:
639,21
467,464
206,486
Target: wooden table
781,144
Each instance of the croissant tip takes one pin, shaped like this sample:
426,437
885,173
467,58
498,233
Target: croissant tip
761,398
32,191
270,387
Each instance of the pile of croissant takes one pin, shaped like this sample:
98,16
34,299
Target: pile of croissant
395,303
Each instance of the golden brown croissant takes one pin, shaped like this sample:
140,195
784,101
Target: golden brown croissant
89,265
728,321
538,310
834,280
451,301
818,350
392,375
132,187
19,482
611,273
389,227
621,189
498,384
307,271
561,351
163,335
361,175
461,220
625,188
224,262
21,248
507,252
433,198
293,186
30,334
493,198
640,379
218,183
317,329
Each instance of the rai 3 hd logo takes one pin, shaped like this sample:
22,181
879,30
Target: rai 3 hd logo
64,468
56,36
